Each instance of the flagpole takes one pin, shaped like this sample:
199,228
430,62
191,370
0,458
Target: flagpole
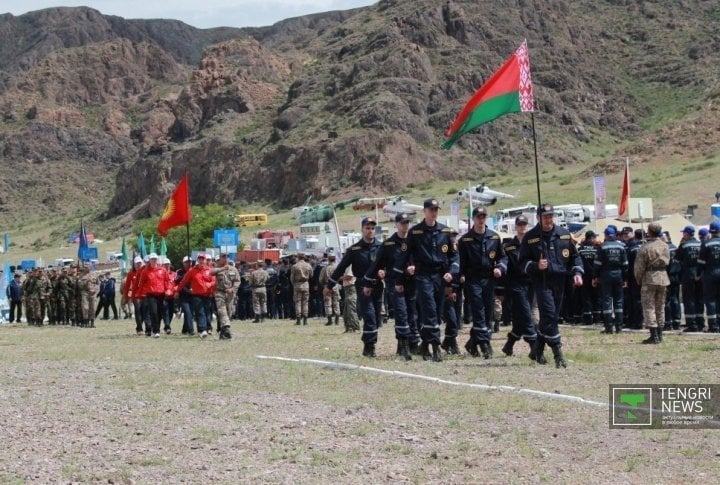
537,166
627,172
187,224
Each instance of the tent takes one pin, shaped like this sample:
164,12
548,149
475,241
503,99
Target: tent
673,223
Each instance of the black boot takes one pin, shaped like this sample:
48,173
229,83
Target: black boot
425,350
531,344
305,322
369,350
414,347
496,327
449,345
398,349
558,355
659,333
329,322
486,349
653,338
225,333
608,328
537,351
257,318
618,328
405,348
508,347
471,347
436,354
337,319
297,322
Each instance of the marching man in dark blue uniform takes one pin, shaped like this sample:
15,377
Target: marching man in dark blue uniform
360,256
709,269
518,287
482,262
403,302
433,259
611,271
548,255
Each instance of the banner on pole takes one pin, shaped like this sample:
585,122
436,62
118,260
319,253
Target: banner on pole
600,198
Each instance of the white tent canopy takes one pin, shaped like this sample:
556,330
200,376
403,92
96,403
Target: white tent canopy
673,223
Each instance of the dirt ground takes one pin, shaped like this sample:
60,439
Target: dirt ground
104,406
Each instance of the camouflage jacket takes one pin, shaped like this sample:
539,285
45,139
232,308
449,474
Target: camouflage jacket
651,263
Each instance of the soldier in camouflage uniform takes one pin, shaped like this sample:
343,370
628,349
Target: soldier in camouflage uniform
45,287
227,282
74,297
258,281
31,290
651,273
52,299
63,298
300,274
88,287
332,302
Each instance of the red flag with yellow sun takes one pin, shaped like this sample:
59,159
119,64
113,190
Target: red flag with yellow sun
177,209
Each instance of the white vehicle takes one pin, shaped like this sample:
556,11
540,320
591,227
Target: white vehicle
572,213
64,262
398,205
611,212
482,194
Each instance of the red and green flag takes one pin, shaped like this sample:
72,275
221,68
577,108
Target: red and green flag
509,90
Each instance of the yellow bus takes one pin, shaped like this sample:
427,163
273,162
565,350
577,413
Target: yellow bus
243,220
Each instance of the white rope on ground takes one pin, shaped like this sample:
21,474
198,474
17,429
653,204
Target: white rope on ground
437,380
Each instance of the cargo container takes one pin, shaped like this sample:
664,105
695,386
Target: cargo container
254,255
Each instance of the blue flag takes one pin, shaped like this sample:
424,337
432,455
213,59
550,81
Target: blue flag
82,242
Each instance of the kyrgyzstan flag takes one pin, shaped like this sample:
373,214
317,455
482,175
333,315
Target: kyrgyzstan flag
509,90
177,209
624,198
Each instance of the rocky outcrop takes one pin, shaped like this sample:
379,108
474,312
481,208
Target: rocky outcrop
342,103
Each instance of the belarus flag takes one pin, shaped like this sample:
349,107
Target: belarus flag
509,90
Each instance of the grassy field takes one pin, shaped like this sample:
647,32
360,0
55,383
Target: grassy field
103,405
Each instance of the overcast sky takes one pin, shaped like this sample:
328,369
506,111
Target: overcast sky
199,13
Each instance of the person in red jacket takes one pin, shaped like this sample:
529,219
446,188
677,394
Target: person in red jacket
132,294
202,289
168,309
155,285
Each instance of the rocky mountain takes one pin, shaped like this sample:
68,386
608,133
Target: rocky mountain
102,112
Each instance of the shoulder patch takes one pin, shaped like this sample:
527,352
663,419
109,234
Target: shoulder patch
467,239
510,248
389,243
417,232
355,248
448,229
495,236
534,240
565,236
